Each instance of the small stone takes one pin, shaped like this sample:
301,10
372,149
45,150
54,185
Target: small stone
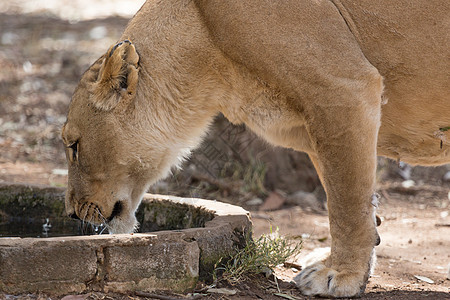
75,297
222,291
27,67
424,279
306,201
408,184
273,202
446,177
254,201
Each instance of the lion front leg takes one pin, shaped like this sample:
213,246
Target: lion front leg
344,135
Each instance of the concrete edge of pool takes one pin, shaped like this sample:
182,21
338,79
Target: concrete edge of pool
170,260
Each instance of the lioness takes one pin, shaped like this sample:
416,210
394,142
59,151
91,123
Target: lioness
340,80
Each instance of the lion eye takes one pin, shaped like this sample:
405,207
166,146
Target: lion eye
73,152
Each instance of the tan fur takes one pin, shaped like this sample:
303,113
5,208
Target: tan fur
308,75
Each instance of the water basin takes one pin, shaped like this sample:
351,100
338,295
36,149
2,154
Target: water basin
180,241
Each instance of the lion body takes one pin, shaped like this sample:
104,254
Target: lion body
340,80
406,46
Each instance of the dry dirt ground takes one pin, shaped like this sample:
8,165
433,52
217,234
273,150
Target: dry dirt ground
44,48
415,235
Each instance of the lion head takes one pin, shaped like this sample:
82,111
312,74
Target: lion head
113,151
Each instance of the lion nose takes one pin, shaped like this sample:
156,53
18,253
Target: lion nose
116,210
74,216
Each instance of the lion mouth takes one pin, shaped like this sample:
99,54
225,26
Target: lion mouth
118,221
91,213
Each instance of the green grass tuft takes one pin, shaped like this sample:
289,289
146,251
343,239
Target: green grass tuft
258,256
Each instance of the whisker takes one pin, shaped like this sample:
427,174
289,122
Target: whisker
82,220
103,219
85,226
106,226
87,212
100,215
90,223
81,211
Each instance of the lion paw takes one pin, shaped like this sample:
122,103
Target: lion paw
319,280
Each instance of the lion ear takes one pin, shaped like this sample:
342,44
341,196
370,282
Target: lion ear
118,76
